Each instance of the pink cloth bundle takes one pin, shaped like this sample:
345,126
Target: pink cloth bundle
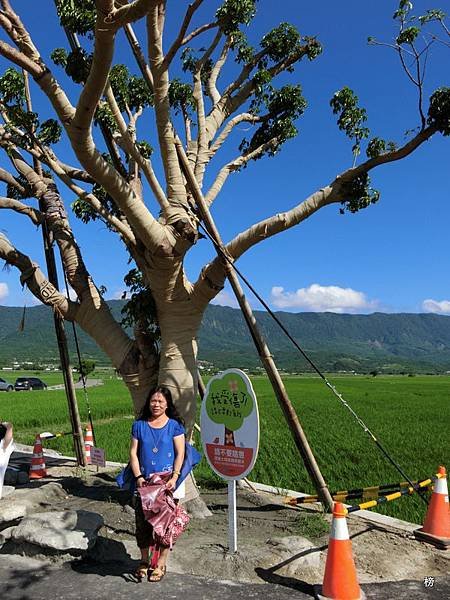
167,518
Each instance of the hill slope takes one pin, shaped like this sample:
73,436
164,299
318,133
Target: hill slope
389,342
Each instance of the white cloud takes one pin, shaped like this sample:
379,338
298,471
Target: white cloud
321,298
118,295
433,306
4,291
224,298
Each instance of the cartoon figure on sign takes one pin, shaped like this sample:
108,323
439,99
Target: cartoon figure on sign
228,403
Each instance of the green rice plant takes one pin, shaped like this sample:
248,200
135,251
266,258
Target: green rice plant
409,417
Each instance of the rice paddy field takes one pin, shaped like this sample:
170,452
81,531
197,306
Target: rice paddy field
410,417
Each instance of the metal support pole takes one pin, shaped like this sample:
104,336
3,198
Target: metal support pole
232,517
280,391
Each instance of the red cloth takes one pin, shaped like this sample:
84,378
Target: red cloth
158,505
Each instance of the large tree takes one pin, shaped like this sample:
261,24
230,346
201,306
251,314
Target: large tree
200,101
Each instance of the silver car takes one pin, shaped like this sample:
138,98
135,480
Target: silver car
5,386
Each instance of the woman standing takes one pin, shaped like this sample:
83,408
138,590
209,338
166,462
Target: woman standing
157,445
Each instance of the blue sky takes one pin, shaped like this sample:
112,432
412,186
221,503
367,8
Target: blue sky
390,257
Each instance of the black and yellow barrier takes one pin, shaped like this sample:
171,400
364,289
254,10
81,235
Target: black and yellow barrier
394,496
381,493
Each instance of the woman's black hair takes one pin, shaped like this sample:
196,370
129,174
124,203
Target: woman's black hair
171,410
2,431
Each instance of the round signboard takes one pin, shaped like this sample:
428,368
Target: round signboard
230,424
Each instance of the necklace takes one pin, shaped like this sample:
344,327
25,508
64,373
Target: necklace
156,442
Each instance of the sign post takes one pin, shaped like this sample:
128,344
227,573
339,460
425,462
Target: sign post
232,517
230,434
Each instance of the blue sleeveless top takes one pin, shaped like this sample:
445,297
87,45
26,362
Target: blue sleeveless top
149,438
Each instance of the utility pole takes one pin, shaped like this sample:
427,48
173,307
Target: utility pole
74,415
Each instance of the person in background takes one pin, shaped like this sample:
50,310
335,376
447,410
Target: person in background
157,445
6,449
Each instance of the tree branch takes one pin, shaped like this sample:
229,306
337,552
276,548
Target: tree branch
120,227
32,276
132,150
127,13
202,142
8,178
12,24
387,157
228,104
176,191
215,72
333,193
19,59
179,39
34,214
235,165
243,117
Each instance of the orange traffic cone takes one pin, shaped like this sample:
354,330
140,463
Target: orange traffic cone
88,442
340,581
436,527
37,469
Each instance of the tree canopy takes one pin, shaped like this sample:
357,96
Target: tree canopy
130,121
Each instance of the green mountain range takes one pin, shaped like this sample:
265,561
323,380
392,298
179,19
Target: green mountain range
336,342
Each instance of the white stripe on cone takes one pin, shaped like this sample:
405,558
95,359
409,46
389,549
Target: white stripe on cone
339,529
440,487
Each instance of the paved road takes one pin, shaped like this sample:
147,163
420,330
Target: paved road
28,579
78,384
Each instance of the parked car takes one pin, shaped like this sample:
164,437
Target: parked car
5,386
29,383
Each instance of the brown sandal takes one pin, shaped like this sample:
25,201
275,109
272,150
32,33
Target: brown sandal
141,571
157,574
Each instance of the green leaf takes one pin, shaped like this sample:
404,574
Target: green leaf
433,14
104,116
244,52
59,57
12,86
49,132
284,106
408,36
78,65
439,110
180,95
78,16
233,13
141,308
145,149
350,116
359,194
281,42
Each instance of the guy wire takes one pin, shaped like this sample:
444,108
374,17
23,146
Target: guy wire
309,360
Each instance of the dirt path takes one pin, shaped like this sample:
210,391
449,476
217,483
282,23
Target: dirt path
271,542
